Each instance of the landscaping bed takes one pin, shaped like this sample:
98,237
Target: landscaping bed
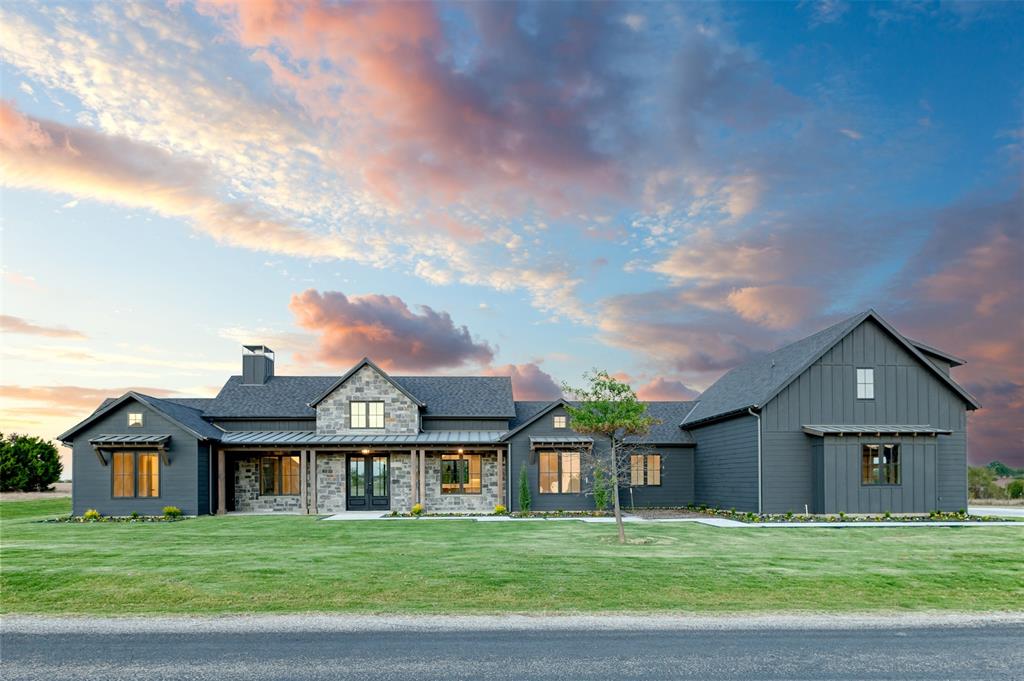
749,517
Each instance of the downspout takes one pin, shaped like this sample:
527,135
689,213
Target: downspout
756,415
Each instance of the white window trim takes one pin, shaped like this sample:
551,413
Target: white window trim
866,387
554,421
142,419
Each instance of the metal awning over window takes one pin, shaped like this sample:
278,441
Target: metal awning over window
540,442
877,430
110,442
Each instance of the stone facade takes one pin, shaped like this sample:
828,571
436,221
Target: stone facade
330,483
247,492
462,503
401,415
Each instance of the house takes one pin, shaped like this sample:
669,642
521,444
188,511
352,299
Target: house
854,418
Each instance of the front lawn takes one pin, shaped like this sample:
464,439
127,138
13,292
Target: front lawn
295,564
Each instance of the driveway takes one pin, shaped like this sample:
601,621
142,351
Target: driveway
413,649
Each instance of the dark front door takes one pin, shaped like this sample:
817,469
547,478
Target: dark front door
368,482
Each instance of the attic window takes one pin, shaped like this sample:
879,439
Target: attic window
865,384
135,418
366,414
559,422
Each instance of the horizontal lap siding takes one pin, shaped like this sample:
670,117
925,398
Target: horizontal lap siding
906,393
676,487
464,424
725,464
93,486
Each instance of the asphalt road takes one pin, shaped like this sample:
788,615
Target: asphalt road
963,654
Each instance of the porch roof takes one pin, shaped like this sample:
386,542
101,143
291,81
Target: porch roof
854,429
308,438
135,439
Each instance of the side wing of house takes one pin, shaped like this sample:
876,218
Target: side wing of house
726,465
138,467
840,469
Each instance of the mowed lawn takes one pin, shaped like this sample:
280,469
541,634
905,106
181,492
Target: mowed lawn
293,564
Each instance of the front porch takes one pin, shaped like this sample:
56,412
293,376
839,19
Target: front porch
379,480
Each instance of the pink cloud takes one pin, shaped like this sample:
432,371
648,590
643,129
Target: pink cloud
776,307
665,389
386,330
11,324
529,381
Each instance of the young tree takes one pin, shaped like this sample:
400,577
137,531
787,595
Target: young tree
28,464
609,409
524,490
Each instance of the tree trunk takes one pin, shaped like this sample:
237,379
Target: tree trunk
615,484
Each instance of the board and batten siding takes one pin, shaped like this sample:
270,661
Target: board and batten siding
906,393
725,463
676,488
842,488
179,484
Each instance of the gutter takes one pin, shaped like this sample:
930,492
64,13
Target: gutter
757,416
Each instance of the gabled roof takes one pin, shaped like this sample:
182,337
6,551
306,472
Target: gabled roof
462,396
667,431
755,383
535,414
365,362
953,360
188,418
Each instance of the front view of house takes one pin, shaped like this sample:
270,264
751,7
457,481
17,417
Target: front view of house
855,418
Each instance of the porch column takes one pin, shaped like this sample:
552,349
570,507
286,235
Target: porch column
303,499
423,477
221,485
412,477
312,479
501,475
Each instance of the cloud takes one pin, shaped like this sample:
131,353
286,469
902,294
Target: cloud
826,11
776,307
852,134
11,324
665,389
72,399
529,381
386,330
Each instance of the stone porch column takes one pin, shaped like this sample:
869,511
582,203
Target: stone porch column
423,477
312,483
412,478
221,484
303,487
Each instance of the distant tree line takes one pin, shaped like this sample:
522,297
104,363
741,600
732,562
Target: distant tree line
981,482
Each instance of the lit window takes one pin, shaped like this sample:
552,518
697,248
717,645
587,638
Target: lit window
134,418
865,384
366,414
645,469
279,475
460,474
880,465
560,422
559,472
126,483
149,475
124,474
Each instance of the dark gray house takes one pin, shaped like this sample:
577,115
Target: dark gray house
854,418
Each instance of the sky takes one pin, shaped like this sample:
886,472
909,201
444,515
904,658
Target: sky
535,190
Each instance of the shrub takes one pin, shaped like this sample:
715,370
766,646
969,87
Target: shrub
171,512
417,510
602,492
500,509
1015,490
135,515
525,501
28,464
91,514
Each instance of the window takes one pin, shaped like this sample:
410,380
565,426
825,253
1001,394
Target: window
560,422
865,384
645,469
126,483
880,465
279,475
460,474
366,414
559,472
134,418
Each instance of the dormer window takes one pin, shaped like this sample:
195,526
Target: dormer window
135,418
559,422
865,384
366,414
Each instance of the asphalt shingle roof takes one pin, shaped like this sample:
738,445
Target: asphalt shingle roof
670,415
289,396
751,384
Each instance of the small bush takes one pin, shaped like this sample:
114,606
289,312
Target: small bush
525,501
172,512
417,510
135,515
602,491
500,509
91,514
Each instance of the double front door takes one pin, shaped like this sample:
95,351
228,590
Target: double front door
368,481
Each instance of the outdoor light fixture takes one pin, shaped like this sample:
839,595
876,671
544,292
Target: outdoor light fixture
460,451
364,451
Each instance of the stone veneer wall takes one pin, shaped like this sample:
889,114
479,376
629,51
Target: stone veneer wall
401,415
467,503
330,482
247,491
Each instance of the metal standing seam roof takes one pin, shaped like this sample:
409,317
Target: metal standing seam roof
292,437
854,429
130,440
560,440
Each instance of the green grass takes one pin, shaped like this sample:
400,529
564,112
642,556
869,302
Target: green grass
297,564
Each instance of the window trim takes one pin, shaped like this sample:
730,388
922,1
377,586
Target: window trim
559,471
135,454
645,470
281,456
877,469
142,419
858,383
555,419
467,457
366,415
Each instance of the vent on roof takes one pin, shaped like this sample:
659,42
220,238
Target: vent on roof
257,364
